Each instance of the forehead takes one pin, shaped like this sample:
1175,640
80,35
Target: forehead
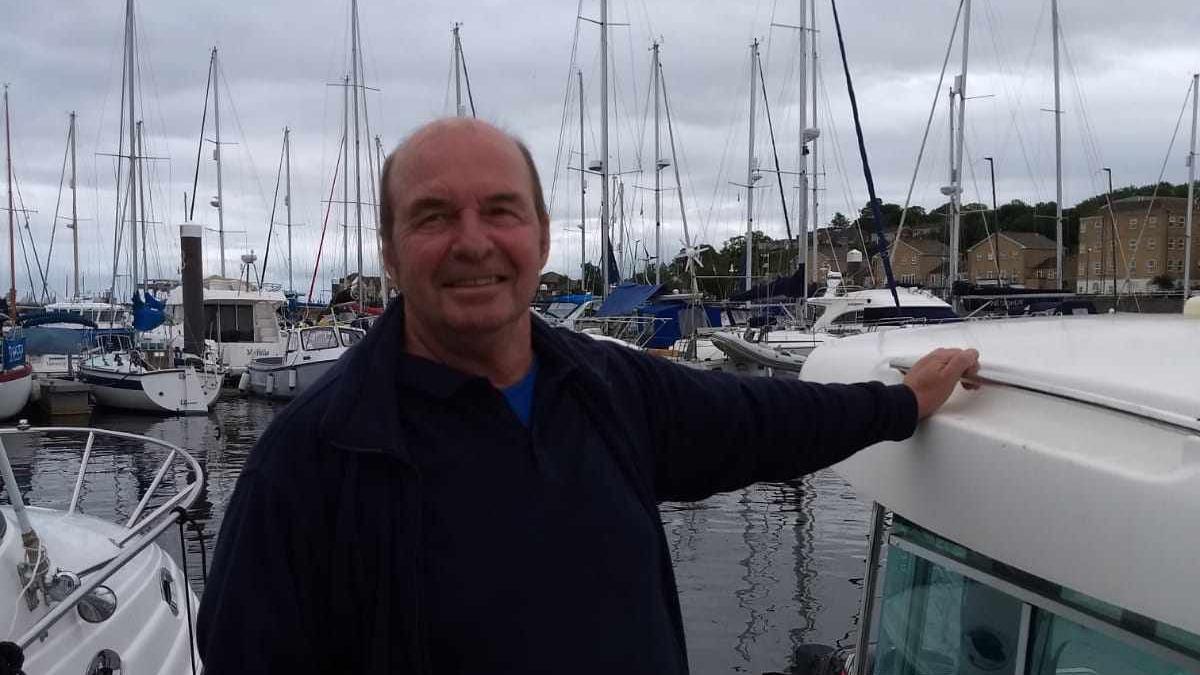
459,163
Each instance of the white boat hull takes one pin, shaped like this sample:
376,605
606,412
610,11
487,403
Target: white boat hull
15,391
285,382
174,391
145,631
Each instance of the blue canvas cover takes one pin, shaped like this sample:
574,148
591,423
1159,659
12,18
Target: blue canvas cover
627,297
676,314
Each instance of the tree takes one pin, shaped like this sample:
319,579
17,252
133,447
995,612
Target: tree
839,221
1163,282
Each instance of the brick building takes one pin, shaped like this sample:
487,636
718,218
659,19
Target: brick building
1018,259
1142,238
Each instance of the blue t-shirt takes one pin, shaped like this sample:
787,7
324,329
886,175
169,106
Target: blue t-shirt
520,395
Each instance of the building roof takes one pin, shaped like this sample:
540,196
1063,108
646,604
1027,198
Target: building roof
1032,240
1144,201
930,247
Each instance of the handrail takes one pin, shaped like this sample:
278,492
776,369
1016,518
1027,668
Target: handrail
1019,380
139,533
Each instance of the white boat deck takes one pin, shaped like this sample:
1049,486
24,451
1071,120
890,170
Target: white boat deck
1084,469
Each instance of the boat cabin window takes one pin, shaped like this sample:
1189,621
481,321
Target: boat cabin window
318,338
350,337
1062,646
229,323
293,342
934,620
943,611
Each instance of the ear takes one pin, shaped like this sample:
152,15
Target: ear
391,266
545,240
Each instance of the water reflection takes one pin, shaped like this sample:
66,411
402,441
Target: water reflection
760,570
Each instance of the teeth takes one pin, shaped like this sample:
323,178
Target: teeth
478,281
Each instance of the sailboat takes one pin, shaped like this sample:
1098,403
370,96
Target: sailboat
149,374
16,377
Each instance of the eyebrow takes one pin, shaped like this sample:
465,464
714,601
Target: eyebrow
502,198
427,204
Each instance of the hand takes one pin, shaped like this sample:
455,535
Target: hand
933,377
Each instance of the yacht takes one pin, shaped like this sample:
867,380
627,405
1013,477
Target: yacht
91,593
56,337
241,316
311,352
834,313
1045,522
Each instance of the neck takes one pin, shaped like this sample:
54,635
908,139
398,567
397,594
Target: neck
503,356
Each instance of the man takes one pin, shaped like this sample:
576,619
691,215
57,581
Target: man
471,491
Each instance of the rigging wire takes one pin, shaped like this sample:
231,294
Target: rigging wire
271,229
862,149
566,101
937,94
200,143
775,151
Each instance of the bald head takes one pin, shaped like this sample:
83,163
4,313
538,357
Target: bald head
405,159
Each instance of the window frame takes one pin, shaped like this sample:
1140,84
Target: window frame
1034,602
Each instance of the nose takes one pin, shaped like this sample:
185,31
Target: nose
473,240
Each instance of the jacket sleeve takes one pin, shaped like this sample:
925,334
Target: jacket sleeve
252,618
715,432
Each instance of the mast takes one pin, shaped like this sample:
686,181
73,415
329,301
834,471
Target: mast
287,198
133,181
74,210
384,291
750,171
658,167
956,157
345,176
1058,234
605,242
582,195
459,110
1191,162
357,151
802,211
813,214
216,89
141,187
12,257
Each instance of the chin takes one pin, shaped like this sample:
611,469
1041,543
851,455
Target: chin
484,319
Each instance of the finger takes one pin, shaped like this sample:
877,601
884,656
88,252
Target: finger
961,362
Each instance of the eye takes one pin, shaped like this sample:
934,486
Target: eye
503,213
430,220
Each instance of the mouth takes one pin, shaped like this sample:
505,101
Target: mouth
475,282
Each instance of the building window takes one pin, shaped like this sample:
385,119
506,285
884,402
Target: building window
1171,244
1096,268
1133,223
1152,244
1133,244
1151,265
1152,221
991,256
979,255
1051,273
1082,268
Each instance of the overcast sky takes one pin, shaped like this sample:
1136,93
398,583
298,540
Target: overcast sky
1125,78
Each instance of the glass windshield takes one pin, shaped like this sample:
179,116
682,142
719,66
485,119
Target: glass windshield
350,337
318,338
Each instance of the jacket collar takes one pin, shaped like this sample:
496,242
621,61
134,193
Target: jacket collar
365,408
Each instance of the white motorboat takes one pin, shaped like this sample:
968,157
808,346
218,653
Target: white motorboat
242,317
88,594
834,313
311,352
1045,523
151,380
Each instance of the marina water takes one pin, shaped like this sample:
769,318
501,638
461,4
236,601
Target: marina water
760,570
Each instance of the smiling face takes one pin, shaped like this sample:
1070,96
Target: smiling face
467,242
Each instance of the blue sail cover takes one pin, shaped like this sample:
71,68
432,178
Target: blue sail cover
147,314
627,297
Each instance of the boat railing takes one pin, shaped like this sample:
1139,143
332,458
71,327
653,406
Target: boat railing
155,512
636,330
